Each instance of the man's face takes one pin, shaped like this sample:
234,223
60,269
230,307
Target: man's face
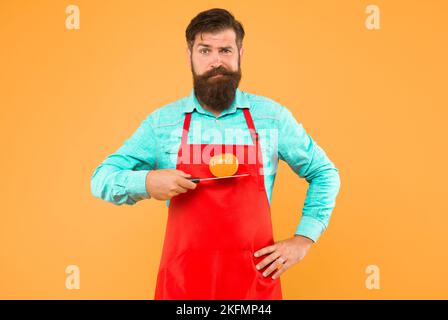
215,64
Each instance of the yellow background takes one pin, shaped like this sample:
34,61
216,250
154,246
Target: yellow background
374,100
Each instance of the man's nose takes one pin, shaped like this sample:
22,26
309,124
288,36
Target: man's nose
216,61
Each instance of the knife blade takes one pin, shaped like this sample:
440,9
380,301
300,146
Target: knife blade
197,180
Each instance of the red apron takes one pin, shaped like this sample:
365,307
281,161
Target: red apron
213,231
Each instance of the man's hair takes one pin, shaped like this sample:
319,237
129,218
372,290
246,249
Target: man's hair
212,21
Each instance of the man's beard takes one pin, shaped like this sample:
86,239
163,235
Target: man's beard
217,93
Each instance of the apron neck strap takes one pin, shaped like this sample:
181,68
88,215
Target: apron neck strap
185,129
250,125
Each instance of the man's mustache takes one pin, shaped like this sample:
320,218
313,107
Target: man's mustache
217,71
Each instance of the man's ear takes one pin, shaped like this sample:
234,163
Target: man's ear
188,55
241,52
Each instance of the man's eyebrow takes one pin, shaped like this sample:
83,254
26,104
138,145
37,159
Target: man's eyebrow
209,46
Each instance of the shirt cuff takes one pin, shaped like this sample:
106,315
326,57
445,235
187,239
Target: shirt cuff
136,185
310,228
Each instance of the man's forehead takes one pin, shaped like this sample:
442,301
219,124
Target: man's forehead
224,38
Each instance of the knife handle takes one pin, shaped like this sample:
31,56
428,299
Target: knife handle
195,180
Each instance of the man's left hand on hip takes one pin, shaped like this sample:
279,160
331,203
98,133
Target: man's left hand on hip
283,254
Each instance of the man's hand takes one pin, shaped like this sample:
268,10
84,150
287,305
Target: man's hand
164,184
282,255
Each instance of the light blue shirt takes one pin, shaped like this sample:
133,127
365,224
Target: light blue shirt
121,177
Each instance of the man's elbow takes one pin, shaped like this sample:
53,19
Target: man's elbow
331,174
97,185
336,179
327,178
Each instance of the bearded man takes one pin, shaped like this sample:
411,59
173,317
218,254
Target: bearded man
217,178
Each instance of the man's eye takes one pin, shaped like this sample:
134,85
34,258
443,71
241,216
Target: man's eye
207,50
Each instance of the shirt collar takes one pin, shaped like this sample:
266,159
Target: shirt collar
192,103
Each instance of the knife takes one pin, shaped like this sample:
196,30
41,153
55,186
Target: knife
197,180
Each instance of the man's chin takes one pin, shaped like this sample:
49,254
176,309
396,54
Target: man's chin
216,92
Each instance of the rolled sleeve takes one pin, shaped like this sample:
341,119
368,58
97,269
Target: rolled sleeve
310,227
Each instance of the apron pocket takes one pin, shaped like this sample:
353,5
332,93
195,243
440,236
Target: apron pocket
216,274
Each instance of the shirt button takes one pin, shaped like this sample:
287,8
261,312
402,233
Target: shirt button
216,120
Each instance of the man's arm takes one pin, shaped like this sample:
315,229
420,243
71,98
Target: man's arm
309,161
121,177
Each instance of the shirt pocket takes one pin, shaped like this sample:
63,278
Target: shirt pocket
269,150
168,154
